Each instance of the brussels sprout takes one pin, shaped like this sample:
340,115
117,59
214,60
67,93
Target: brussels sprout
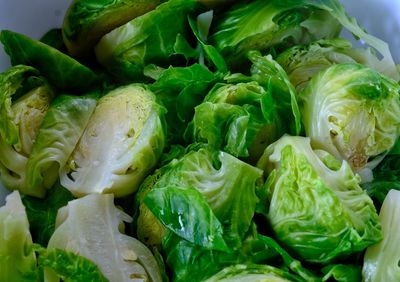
232,118
352,112
218,176
147,39
17,259
193,197
336,9
87,21
37,134
90,227
252,273
381,261
122,142
24,100
316,207
302,62
61,70
58,135
243,118
260,24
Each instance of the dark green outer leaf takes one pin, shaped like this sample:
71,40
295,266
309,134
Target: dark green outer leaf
42,213
190,262
185,212
61,70
54,39
342,273
386,177
289,262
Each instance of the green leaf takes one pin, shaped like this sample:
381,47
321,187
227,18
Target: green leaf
211,52
180,255
342,273
60,69
54,38
182,47
273,77
386,177
42,213
180,89
291,263
185,212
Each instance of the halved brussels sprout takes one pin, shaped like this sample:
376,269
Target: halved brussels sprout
87,21
90,227
24,100
353,112
17,259
316,207
381,261
302,62
62,126
260,24
122,142
147,39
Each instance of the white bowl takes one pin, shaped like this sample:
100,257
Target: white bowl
35,17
